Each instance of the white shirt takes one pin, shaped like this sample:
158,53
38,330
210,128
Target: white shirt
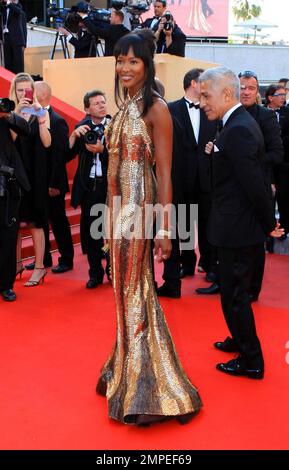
229,112
96,169
5,27
195,118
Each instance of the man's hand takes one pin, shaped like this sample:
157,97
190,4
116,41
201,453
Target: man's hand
81,130
277,232
209,148
63,31
53,192
95,148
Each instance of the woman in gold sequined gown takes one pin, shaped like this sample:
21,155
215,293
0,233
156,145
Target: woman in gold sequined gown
143,379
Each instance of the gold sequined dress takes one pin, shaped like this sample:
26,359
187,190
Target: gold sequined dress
143,379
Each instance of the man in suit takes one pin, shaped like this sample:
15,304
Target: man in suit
110,33
241,214
191,177
10,185
14,35
270,129
159,10
275,97
90,181
83,42
58,184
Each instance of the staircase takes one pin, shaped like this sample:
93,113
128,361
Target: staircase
74,221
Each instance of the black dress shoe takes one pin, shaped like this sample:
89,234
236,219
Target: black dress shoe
61,268
236,367
186,272
93,282
166,291
8,295
213,289
211,277
227,346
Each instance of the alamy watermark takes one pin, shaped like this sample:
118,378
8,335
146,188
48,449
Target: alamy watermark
131,221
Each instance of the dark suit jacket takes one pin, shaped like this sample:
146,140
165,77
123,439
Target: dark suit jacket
267,120
8,153
57,153
85,161
284,125
242,212
81,45
178,43
192,163
16,24
111,34
147,23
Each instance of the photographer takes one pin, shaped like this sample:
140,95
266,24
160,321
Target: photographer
170,38
111,33
12,177
82,42
90,181
14,34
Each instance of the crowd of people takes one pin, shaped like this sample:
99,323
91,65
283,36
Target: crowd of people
215,147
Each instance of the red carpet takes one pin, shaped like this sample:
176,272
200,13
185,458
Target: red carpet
53,342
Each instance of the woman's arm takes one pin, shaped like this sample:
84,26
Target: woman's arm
161,121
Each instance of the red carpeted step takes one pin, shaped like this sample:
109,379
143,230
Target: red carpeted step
74,221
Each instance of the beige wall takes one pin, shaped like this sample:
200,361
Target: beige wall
71,79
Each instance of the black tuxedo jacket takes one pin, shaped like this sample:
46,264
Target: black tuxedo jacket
192,163
267,120
9,155
111,34
242,210
147,24
57,153
16,24
85,162
284,125
82,44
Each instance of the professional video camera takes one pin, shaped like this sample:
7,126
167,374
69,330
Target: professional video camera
169,21
134,7
6,172
6,105
70,18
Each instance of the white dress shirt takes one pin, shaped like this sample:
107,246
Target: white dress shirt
194,117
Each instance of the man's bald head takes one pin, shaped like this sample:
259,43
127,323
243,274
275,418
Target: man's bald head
43,93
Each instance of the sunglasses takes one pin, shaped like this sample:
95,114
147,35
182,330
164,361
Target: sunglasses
279,94
247,74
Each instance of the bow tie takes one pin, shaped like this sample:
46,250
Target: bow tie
193,105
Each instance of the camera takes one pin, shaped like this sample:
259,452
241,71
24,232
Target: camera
134,7
5,172
92,136
6,105
70,18
169,21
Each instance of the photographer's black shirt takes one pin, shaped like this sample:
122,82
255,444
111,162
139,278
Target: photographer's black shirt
111,33
178,43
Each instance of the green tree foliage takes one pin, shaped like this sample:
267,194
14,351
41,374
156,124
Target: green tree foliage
245,10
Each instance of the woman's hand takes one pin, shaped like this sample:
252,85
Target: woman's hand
23,103
162,249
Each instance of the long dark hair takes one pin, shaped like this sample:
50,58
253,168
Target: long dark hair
142,42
